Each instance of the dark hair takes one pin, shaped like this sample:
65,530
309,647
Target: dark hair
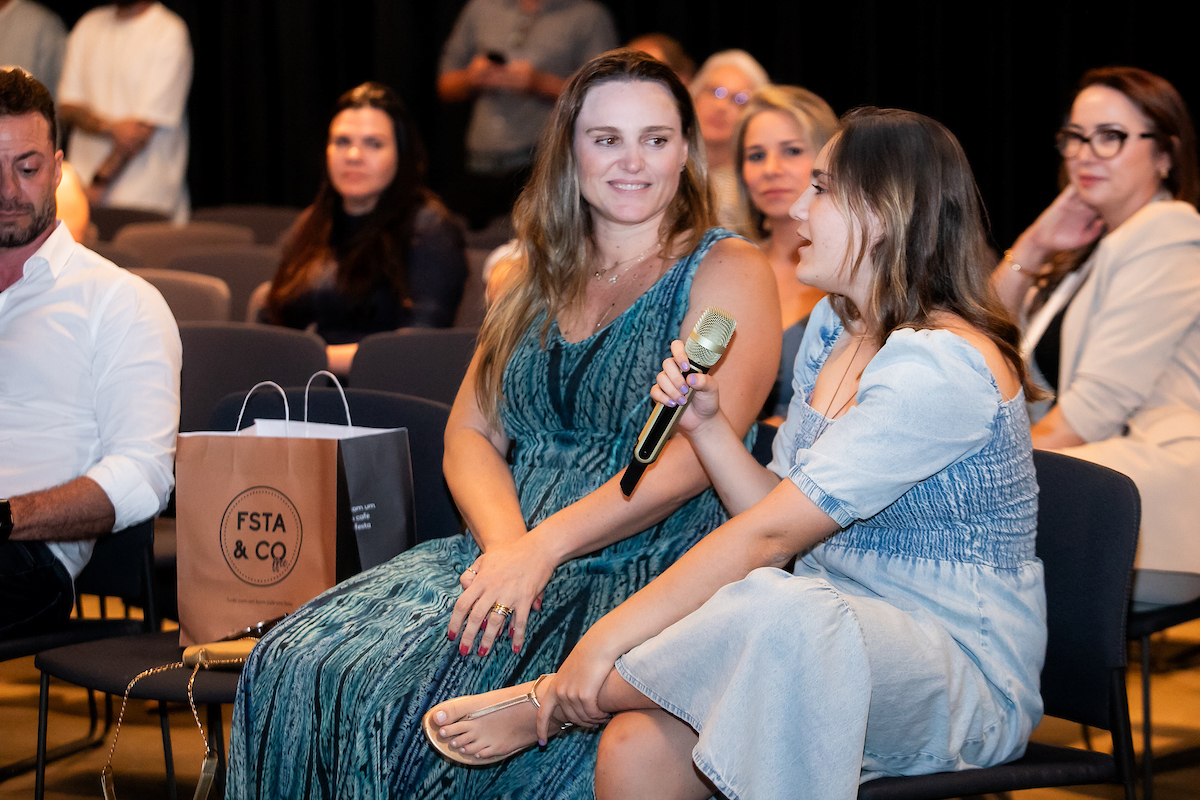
554,227
1162,104
378,249
1174,133
21,93
908,173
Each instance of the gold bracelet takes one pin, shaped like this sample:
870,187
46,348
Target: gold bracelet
1008,256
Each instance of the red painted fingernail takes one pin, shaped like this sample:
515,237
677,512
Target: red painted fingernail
482,650
451,634
464,649
512,631
516,649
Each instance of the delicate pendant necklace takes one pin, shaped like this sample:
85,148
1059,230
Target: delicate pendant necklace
828,420
600,273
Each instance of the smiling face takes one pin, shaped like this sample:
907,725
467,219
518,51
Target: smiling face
361,156
630,149
719,102
1118,186
777,164
30,170
828,243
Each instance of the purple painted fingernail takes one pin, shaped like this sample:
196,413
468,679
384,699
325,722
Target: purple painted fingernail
683,389
672,403
691,380
541,742
684,366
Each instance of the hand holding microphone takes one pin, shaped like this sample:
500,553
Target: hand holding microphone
704,347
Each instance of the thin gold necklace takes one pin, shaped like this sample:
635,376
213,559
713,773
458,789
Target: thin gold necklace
600,273
838,388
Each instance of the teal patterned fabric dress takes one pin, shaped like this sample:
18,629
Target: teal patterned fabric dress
330,703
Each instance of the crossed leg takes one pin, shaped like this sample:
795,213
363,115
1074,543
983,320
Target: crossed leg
644,751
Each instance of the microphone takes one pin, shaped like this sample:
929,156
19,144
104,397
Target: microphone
703,347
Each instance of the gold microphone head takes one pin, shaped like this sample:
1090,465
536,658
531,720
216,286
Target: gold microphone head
710,337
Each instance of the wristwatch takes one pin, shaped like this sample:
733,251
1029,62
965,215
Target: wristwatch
6,522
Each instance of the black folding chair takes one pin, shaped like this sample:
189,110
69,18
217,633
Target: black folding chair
224,357
1142,625
121,566
1088,518
422,362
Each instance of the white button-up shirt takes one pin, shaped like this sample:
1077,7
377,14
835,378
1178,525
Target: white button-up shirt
89,384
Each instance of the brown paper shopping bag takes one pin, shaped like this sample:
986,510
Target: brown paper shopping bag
257,529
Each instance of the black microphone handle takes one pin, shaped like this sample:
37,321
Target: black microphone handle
649,444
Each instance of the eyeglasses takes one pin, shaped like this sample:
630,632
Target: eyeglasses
722,93
1106,143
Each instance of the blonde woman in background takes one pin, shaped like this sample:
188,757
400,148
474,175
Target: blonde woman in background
781,130
722,86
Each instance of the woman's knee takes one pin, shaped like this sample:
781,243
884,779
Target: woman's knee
647,754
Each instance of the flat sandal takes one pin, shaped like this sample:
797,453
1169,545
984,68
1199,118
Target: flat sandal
431,728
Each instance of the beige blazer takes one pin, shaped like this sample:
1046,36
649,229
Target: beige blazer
1130,373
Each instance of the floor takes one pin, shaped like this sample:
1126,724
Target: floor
138,763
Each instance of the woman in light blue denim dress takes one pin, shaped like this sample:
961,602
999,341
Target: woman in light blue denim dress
910,635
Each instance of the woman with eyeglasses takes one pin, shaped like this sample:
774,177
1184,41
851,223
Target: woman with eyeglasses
1106,283
721,87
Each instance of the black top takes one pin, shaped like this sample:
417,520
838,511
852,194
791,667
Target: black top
1047,353
437,269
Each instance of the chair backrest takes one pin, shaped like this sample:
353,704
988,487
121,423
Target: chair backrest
110,219
191,296
424,362
158,242
122,566
472,308
1088,519
269,223
224,357
242,266
122,258
425,419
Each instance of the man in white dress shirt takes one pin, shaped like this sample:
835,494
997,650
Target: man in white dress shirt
124,88
89,380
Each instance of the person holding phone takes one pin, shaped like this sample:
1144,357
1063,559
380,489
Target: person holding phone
511,59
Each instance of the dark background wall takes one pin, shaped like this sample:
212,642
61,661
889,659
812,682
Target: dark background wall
998,74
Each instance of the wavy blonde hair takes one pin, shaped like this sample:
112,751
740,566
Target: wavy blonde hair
554,226
811,114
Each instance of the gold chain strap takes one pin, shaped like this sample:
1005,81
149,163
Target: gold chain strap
208,769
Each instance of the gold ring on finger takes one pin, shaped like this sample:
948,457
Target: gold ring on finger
502,610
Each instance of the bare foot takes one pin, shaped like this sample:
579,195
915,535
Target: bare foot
507,724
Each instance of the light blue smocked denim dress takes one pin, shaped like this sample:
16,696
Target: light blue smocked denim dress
912,640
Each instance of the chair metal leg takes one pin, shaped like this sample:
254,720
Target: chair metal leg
216,741
1147,728
63,750
165,721
39,786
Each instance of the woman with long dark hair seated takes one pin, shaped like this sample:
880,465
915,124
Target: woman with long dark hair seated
910,636
376,250
1106,283
618,260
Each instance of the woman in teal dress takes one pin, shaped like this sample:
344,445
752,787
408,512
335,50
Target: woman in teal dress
618,261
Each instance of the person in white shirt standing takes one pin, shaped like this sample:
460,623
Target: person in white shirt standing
32,36
89,380
124,89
